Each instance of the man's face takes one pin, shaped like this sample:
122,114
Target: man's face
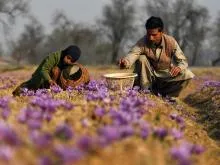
154,36
68,60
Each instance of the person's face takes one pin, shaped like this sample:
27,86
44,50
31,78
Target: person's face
154,36
68,60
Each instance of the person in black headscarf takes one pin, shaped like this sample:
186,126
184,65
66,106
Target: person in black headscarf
48,72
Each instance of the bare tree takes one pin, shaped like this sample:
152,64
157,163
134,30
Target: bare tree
198,30
216,43
10,9
1,50
117,23
27,46
185,20
67,32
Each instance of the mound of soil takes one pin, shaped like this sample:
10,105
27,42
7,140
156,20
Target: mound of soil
207,102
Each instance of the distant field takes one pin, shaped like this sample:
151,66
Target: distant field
94,126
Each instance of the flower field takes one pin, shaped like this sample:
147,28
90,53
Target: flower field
91,125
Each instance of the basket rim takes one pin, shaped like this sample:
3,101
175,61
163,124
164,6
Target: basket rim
120,75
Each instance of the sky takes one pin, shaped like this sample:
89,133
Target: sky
85,11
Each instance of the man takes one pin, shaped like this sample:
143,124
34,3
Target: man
159,62
53,67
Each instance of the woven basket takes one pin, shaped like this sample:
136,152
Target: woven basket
66,81
120,81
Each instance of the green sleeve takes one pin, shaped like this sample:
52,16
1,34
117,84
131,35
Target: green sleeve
49,62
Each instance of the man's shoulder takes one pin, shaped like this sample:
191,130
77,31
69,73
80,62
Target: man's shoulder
169,38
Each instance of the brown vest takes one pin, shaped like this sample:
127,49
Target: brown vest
164,61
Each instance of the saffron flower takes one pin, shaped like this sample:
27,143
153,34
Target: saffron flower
6,152
85,143
64,132
68,154
40,139
160,132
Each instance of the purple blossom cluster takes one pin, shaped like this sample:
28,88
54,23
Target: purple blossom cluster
4,106
179,120
68,154
183,152
41,109
8,135
211,83
47,103
55,89
6,152
127,120
99,94
40,139
7,82
9,140
64,132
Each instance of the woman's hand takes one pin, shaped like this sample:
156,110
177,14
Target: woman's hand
52,83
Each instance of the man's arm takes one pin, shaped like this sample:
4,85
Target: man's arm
179,61
131,57
179,58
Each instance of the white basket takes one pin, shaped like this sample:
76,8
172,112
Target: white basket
120,81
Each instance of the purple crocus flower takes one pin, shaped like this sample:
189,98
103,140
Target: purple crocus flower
34,124
69,89
211,83
68,154
41,92
144,129
110,133
64,132
126,131
8,135
6,152
182,153
5,113
160,132
173,116
22,117
178,119
4,102
144,132
85,143
40,139
45,161
56,89
47,116
177,134
66,105
85,122
4,105
197,149
99,112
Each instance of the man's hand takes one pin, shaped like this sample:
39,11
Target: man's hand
122,63
52,83
174,71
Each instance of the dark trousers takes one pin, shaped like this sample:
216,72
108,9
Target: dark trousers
147,79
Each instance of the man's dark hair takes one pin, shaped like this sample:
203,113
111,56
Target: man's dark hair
154,22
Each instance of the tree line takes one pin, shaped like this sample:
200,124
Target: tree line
114,32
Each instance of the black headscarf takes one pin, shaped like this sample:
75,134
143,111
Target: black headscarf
73,51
